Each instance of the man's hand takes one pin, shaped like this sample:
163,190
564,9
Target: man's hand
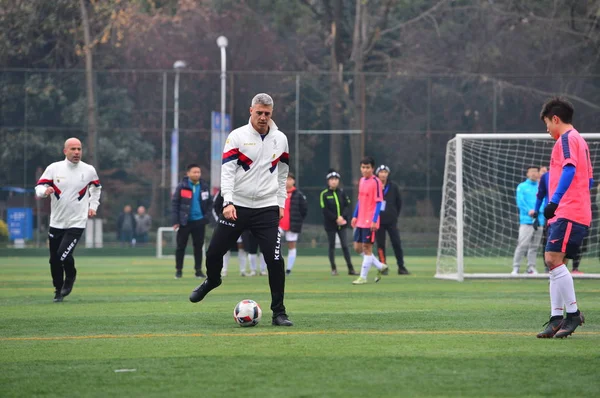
91,213
49,191
374,226
536,222
353,222
281,212
230,213
550,210
341,221
531,212
175,227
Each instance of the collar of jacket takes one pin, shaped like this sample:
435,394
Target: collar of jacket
186,182
272,127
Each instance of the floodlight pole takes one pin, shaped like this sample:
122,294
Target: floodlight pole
178,65
222,43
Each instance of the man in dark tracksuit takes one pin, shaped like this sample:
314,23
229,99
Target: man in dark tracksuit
191,211
390,210
336,208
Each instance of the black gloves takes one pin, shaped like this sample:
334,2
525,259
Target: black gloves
550,210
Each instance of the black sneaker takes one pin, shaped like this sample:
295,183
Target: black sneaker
352,272
178,274
202,290
287,271
200,275
569,325
281,320
403,271
334,272
67,287
552,326
385,272
58,298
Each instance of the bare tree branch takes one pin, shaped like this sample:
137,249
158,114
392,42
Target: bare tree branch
418,18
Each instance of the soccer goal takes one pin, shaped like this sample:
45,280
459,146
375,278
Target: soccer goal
166,243
479,220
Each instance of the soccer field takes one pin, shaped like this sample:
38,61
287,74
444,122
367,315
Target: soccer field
405,336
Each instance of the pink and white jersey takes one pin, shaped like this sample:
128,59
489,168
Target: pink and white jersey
369,193
575,205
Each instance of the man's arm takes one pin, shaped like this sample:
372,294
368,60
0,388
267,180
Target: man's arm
229,166
327,213
541,193
282,172
46,181
566,178
95,191
303,205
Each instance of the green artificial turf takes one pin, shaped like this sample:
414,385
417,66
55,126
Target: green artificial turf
405,336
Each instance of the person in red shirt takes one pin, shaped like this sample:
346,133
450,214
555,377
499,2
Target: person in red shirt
569,213
290,225
366,219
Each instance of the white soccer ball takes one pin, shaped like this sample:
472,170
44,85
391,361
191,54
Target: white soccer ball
247,313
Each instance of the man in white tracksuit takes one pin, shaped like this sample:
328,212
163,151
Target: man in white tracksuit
74,189
253,174
531,227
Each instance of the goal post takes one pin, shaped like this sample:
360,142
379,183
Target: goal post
166,243
479,217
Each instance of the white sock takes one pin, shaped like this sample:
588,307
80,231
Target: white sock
556,303
376,262
366,264
291,259
242,257
226,258
252,262
564,285
263,263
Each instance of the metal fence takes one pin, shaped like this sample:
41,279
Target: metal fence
403,121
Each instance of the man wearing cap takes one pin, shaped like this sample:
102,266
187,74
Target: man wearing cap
390,210
337,209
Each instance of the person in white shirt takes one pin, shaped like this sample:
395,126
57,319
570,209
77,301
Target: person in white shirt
254,170
74,190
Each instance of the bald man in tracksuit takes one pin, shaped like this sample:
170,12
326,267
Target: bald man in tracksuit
253,174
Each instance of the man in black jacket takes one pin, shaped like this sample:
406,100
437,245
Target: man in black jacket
191,211
336,208
295,212
390,210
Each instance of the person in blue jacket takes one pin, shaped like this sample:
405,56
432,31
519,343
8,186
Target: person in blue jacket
530,233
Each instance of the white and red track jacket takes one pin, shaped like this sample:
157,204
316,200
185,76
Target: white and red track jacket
76,189
255,167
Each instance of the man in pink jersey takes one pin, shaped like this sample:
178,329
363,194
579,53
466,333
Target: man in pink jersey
569,214
366,219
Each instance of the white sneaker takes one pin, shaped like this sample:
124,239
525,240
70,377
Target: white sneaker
252,273
515,271
263,273
223,273
532,271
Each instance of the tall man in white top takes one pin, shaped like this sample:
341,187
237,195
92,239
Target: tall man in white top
253,173
74,190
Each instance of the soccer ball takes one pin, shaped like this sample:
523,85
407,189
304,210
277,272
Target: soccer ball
247,313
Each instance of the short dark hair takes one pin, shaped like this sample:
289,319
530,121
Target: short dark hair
193,165
559,107
532,167
291,175
368,160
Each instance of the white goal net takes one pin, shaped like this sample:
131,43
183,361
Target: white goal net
479,219
166,243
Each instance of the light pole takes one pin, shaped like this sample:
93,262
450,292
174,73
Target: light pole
178,66
222,43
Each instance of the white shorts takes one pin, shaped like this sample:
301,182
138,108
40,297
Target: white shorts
289,235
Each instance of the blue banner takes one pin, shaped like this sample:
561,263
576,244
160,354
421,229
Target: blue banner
20,223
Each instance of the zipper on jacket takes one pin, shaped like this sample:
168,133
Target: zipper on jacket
259,158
